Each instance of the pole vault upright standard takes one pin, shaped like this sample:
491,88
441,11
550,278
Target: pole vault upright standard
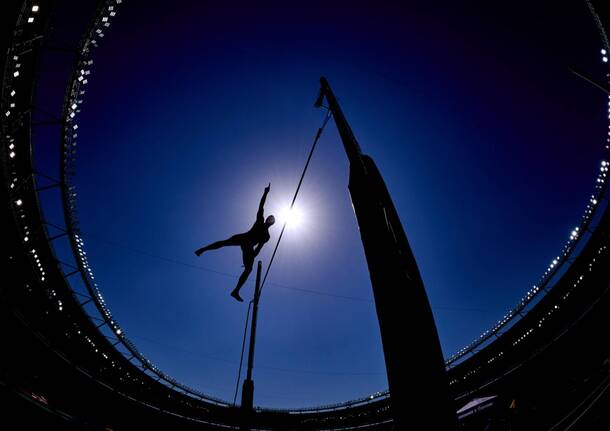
419,391
247,392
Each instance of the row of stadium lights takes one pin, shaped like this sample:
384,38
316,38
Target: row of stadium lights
19,206
82,256
11,106
554,308
123,378
92,345
69,152
19,203
35,8
26,239
12,154
550,270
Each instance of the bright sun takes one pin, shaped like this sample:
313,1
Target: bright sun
293,218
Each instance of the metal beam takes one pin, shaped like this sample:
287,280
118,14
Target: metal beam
592,82
47,187
58,236
70,274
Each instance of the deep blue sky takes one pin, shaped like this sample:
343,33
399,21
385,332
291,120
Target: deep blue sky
487,142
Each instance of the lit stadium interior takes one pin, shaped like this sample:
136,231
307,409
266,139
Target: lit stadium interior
68,364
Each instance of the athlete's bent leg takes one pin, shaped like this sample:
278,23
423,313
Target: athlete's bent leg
248,261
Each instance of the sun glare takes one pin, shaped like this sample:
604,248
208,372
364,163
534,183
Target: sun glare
293,218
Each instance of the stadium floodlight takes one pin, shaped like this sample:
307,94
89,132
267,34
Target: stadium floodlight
12,93
18,202
35,8
31,19
603,51
16,74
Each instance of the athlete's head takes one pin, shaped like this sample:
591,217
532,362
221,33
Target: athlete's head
270,220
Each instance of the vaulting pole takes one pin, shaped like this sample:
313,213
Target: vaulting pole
419,390
247,391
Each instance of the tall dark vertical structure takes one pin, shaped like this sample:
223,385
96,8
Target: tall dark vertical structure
247,392
414,361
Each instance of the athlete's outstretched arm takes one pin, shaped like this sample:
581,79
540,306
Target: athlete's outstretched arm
259,214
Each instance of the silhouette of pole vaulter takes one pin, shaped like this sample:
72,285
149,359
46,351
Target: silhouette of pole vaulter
251,243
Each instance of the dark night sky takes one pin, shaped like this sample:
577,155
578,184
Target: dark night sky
487,142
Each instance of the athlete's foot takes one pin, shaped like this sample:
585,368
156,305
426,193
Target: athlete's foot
235,294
